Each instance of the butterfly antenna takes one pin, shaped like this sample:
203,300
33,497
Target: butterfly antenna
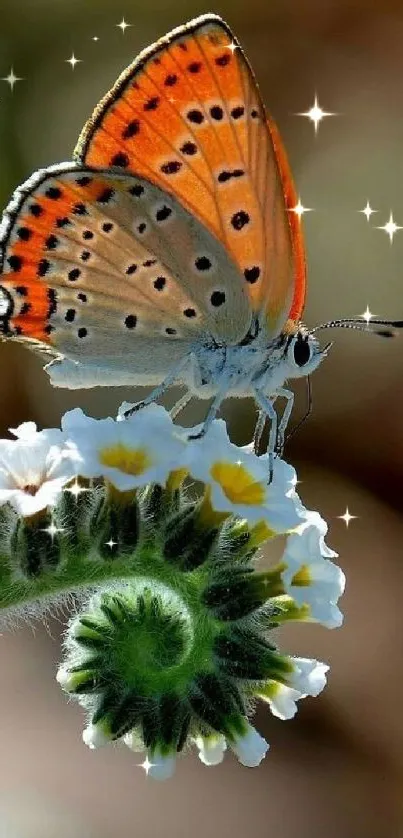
307,412
383,328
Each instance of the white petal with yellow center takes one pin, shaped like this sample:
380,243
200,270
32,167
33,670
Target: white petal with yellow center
239,481
132,452
309,577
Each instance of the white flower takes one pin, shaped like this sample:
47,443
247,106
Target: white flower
159,767
155,764
94,736
134,742
34,468
139,450
211,749
26,430
250,748
310,578
282,699
63,677
238,480
308,676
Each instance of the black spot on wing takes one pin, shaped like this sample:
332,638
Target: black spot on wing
74,274
130,321
217,298
120,160
252,274
171,167
240,219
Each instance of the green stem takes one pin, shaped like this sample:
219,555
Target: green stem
80,572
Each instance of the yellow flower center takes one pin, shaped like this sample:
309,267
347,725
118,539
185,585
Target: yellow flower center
176,478
238,485
129,460
302,579
261,532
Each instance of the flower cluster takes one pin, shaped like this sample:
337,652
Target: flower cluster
171,645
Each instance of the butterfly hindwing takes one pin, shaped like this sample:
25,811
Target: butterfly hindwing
96,264
188,116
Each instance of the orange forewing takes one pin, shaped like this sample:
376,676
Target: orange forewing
297,238
188,116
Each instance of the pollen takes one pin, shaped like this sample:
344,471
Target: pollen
238,484
302,579
129,460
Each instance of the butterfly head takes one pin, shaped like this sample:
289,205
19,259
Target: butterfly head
302,353
296,353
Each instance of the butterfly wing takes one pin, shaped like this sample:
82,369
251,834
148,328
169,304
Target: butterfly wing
106,270
187,114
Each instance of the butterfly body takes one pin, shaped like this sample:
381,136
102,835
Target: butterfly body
167,252
240,370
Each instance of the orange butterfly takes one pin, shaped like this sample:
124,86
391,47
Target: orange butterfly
167,251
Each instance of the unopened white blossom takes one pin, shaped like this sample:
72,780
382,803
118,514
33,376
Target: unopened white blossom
160,767
250,748
211,749
95,737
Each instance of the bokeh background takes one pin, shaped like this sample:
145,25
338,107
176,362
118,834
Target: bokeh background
336,770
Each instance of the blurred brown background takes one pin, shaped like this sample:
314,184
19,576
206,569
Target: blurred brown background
336,770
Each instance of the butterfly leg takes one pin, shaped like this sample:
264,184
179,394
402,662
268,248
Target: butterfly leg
258,432
180,405
267,407
289,395
160,389
212,413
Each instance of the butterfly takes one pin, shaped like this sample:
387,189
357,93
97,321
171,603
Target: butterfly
167,252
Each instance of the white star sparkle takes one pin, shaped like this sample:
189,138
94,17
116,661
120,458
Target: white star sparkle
111,543
347,517
316,114
367,211
123,25
367,315
232,46
12,79
390,227
299,209
146,765
73,61
75,489
95,38
52,529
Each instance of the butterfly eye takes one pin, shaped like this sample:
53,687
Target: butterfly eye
302,350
